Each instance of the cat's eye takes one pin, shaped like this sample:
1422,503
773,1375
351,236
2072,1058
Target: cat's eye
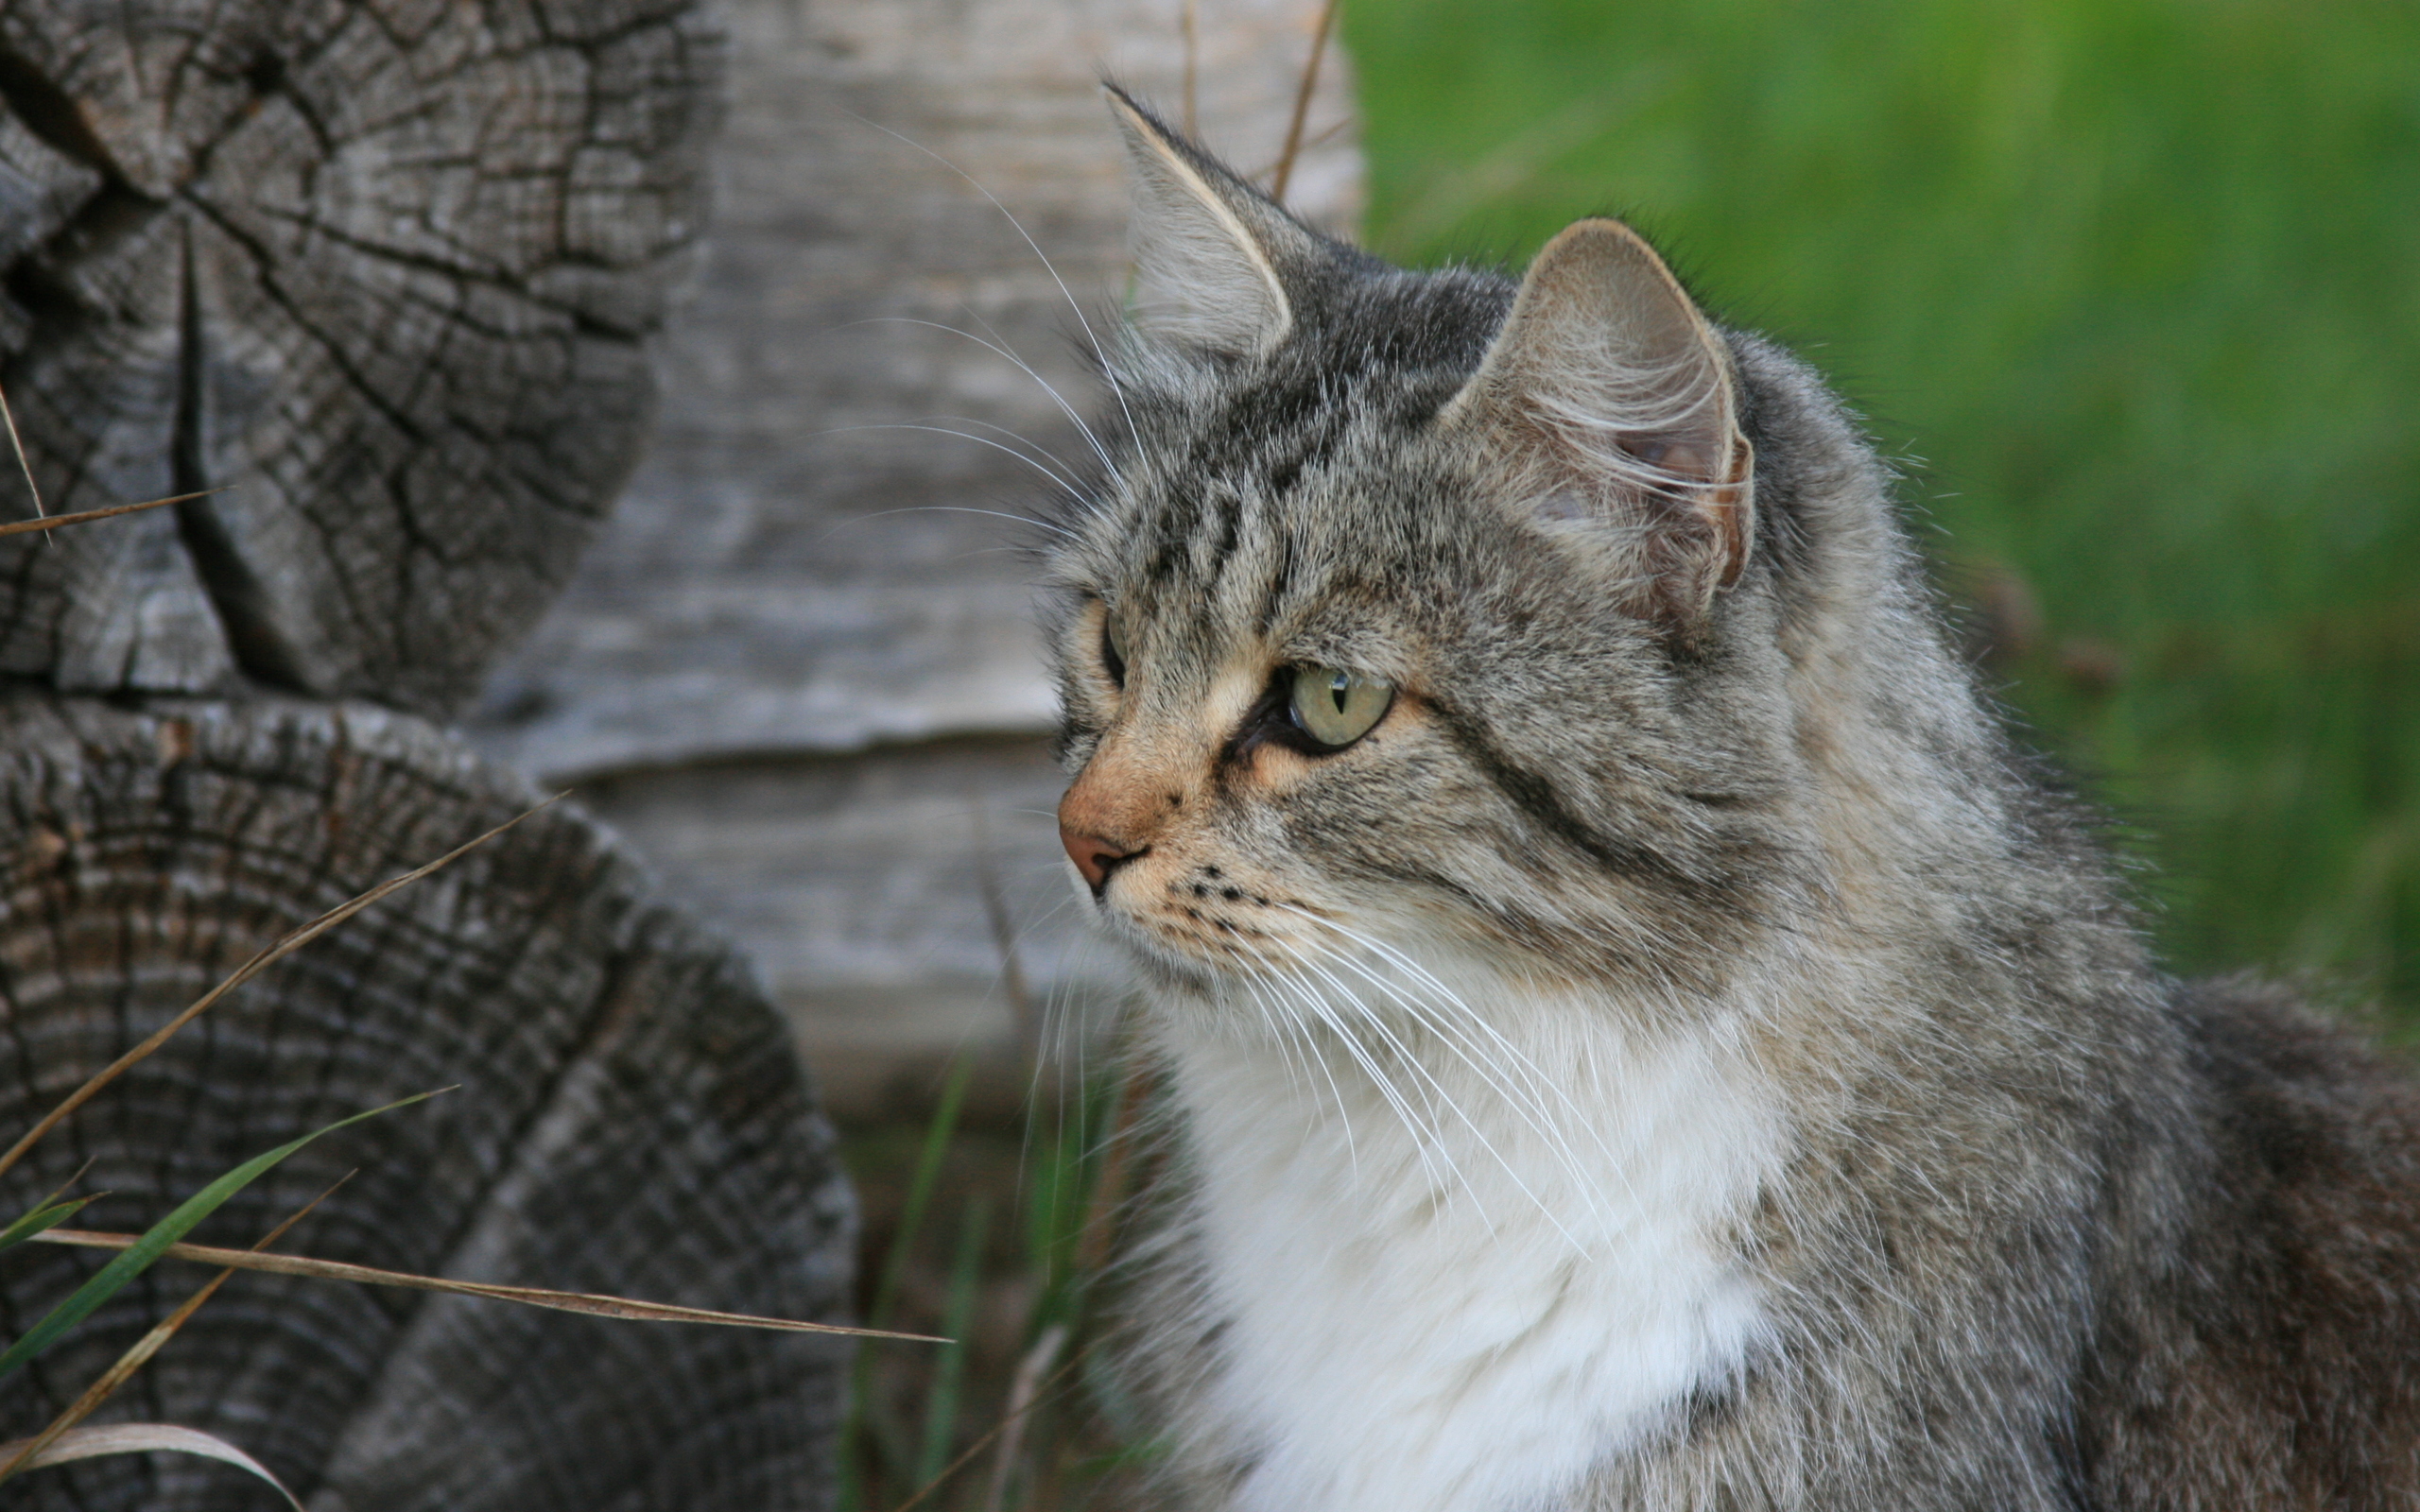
1337,708
1112,650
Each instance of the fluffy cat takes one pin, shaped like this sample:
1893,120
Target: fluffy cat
1634,1034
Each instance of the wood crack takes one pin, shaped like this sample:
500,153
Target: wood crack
228,582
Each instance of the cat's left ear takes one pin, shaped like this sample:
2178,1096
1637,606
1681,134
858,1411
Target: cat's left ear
1614,407
1213,255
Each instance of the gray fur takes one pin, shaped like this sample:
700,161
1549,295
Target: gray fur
2053,1230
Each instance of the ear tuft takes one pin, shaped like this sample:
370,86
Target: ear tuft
1212,254
1611,403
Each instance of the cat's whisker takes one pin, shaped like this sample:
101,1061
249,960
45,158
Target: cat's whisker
1109,370
1441,1094
1429,1137
1529,1109
1530,1072
1001,349
1064,486
1285,1036
1072,475
1312,1056
1427,1146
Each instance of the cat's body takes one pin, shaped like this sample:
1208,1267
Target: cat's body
1634,1034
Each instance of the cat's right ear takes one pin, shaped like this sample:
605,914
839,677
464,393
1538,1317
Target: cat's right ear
1211,253
1611,405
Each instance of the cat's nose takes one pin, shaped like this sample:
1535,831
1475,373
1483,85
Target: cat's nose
1094,857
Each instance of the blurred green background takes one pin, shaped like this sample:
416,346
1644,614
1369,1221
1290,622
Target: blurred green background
2138,282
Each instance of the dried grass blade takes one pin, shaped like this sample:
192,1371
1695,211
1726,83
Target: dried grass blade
141,1438
267,956
967,1457
1302,93
1023,1388
142,1349
17,443
54,522
142,1250
590,1303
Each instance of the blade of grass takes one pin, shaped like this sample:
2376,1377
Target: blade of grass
855,1426
949,1370
49,1215
154,1240
143,1438
967,1455
145,1347
267,956
58,522
919,1186
590,1303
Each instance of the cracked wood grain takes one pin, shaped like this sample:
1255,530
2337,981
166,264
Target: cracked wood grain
630,1121
388,268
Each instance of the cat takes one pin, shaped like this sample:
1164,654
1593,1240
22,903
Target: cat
1633,1030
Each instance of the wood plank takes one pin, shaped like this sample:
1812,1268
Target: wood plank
781,578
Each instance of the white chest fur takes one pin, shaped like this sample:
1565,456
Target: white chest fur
1465,1293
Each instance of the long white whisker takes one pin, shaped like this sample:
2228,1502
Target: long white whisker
1091,435
1439,1091
1001,349
1525,1108
981,441
1535,1075
1311,1054
1107,369
1033,448
1427,1141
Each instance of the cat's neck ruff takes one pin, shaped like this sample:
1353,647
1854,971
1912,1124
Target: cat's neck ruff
1458,1269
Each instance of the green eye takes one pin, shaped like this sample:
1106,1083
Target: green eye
1113,650
1337,708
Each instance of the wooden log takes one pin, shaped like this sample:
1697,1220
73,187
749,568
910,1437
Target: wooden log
630,1120
789,572
385,269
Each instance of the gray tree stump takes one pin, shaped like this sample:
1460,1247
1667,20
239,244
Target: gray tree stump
630,1119
382,268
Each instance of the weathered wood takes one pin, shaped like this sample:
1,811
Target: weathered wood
901,904
782,577
630,1119
384,268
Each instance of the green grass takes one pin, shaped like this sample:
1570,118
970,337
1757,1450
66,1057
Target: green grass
2138,279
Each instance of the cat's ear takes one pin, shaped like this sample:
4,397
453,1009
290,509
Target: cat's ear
1211,253
1612,403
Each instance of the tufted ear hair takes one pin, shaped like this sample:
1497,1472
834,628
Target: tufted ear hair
1212,254
1612,405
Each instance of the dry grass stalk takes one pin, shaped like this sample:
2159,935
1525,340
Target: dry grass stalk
144,1349
1022,1388
968,1456
53,522
267,956
1188,22
590,1303
145,1438
1285,172
24,465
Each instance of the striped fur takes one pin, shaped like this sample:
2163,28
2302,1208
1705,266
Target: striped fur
1683,1055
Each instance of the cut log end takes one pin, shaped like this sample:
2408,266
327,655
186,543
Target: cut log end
382,269
630,1119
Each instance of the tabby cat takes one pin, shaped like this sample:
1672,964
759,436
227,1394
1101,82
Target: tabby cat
1635,1032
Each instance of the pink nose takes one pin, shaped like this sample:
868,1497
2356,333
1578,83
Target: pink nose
1094,856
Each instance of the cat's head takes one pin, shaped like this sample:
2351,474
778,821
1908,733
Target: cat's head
1424,609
